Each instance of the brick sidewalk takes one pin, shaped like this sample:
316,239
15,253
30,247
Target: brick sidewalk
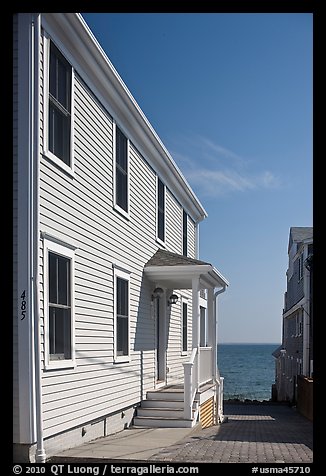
260,433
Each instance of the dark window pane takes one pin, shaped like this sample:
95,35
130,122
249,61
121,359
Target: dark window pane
63,281
160,194
122,335
160,225
122,297
160,210
185,233
53,74
121,189
121,170
202,327
53,278
59,133
121,149
59,280
62,85
184,327
59,333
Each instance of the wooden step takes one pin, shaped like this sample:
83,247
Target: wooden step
160,422
165,395
160,412
155,403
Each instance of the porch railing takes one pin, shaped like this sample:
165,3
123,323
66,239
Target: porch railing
205,370
191,383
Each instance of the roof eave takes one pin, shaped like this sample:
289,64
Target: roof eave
206,272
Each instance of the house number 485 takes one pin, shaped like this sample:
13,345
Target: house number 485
23,305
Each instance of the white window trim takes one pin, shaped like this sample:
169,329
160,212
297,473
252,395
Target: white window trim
184,301
115,205
46,152
119,273
67,252
162,243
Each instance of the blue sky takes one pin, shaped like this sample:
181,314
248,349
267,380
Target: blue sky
230,96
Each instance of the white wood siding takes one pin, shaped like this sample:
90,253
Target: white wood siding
15,232
80,208
174,220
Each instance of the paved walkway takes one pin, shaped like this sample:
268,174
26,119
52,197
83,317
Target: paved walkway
253,434
262,433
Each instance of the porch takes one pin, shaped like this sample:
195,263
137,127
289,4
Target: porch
200,391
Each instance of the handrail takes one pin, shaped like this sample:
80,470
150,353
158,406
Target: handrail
190,383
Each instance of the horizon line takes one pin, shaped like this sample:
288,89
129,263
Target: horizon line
250,343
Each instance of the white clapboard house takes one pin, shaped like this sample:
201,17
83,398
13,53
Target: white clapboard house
114,315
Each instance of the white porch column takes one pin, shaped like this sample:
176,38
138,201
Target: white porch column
211,328
196,325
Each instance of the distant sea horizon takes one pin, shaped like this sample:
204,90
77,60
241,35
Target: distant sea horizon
248,369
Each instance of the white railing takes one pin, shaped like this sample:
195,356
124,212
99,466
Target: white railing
191,383
220,397
205,365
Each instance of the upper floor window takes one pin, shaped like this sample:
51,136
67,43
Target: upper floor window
121,170
185,233
59,110
160,210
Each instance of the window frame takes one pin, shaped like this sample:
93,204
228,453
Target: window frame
158,239
118,273
184,302
66,251
116,206
69,169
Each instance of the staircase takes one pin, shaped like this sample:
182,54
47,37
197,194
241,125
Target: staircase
164,409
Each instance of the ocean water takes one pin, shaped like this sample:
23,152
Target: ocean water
248,370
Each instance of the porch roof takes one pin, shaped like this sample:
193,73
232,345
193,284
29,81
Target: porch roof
174,271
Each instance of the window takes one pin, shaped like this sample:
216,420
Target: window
300,267
59,110
202,326
59,304
121,316
121,170
160,210
184,326
298,321
185,233
59,307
